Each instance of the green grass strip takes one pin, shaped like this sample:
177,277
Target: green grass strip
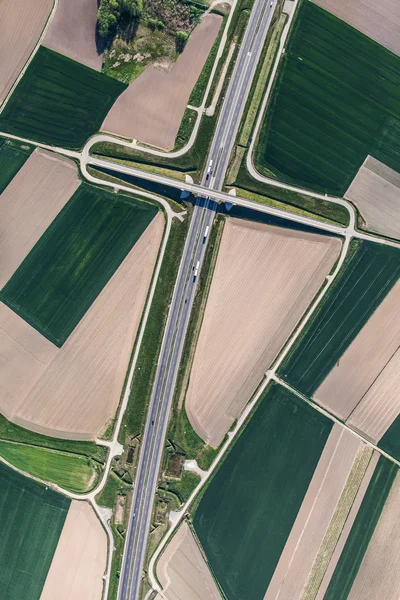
13,156
362,530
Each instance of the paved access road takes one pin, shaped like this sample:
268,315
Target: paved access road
203,215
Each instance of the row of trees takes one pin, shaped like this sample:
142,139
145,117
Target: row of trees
112,13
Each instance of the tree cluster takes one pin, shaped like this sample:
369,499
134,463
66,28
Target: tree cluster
114,13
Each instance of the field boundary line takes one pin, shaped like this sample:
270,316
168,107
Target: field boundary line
31,56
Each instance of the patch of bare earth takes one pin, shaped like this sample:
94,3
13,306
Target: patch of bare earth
264,279
379,574
378,19
152,107
363,386
21,26
30,203
73,32
315,515
81,387
183,571
376,192
77,569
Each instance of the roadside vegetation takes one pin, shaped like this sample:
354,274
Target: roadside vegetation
365,279
263,478
65,271
31,521
341,111
13,155
360,535
59,101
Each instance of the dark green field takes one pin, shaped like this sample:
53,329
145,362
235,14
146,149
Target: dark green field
337,99
59,101
365,280
247,512
31,520
74,259
12,156
390,442
360,535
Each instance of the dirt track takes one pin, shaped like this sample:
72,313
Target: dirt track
376,192
378,19
79,561
29,204
152,107
264,279
21,25
183,572
73,32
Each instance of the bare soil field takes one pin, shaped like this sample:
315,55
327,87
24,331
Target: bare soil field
378,20
73,32
183,572
376,192
379,573
152,107
316,512
364,360
30,203
381,404
24,356
79,562
87,374
264,279
21,25
344,534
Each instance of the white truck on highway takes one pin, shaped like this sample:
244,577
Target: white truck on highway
205,234
196,270
209,169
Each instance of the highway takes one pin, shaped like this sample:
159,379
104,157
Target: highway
153,441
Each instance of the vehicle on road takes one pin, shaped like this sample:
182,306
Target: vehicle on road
209,169
196,270
205,234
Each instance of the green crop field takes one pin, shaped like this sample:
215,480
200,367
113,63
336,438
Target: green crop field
336,100
365,280
12,156
390,442
362,530
31,520
248,510
73,472
59,101
74,259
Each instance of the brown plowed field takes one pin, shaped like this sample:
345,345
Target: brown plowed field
314,516
381,404
364,360
379,575
73,32
265,277
24,356
77,569
21,26
30,203
80,389
183,572
376,192
152,107
378,19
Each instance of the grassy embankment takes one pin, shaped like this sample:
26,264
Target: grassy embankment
13,155
59,101
31,521
364,281
263,478
65,271
360,535
329,109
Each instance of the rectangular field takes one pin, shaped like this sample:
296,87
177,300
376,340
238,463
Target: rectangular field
366,278
248,510
74,259
59,101
12,157
31,521
378,20
330,109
